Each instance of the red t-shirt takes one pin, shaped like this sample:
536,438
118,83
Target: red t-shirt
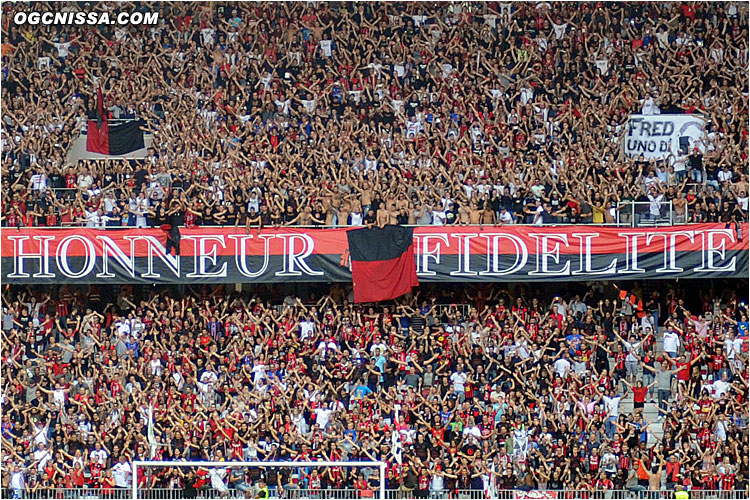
639,394
684,373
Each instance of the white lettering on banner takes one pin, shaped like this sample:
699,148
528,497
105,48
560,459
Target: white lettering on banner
202,255
493,254
62,256
464,254
156,248
709,249
293,259
507,254
631,253
586,253
544,254
20,256
670,253
110,248
658,136
423,244
240,254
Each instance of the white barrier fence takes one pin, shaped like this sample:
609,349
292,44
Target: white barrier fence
352,494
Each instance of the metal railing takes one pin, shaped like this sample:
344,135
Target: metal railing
646,214
322,226
353,494
440,308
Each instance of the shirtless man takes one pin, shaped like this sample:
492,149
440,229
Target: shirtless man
384,215
464,214
488,215
475,215
304,218
679,203
393,212
402,203
365,195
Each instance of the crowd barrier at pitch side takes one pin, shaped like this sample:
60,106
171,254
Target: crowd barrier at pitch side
350,494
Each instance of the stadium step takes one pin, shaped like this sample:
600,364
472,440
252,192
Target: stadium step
650,410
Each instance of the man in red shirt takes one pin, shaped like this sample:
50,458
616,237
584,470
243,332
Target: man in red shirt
673,471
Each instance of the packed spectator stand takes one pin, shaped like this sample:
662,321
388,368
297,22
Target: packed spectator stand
488,387
294,114
335,114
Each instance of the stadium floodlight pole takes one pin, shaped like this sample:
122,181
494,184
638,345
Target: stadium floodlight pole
289,463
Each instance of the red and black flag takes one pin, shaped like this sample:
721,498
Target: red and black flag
634,301
383,265
107,139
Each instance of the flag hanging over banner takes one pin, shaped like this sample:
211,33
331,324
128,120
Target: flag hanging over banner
112,140
383,265
115,139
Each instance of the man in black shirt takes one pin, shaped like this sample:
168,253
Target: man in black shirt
175,219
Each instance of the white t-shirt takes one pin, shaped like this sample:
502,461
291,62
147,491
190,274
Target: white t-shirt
720,388
217,479
724,176
438,218
473,432
321,417
458,379
560,30
208,36
506,218
632,350
43,456
306,329
121,472
356,219
562,365
17,480
325,46
324,347
98,456
742,202
58,396
671,341
680,164
649,106
383,348
62,48
602,65
123,327
612,405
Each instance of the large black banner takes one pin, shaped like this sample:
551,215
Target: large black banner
467,253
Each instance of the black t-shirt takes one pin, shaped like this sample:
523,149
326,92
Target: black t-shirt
177,219
159,219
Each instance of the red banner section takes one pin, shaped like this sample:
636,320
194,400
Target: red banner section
506,253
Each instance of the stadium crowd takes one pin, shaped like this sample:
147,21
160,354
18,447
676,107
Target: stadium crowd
315,113
349,113
486,388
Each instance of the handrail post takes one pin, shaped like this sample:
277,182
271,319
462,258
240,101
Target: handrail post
382,481
671,213
134,479
617,215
